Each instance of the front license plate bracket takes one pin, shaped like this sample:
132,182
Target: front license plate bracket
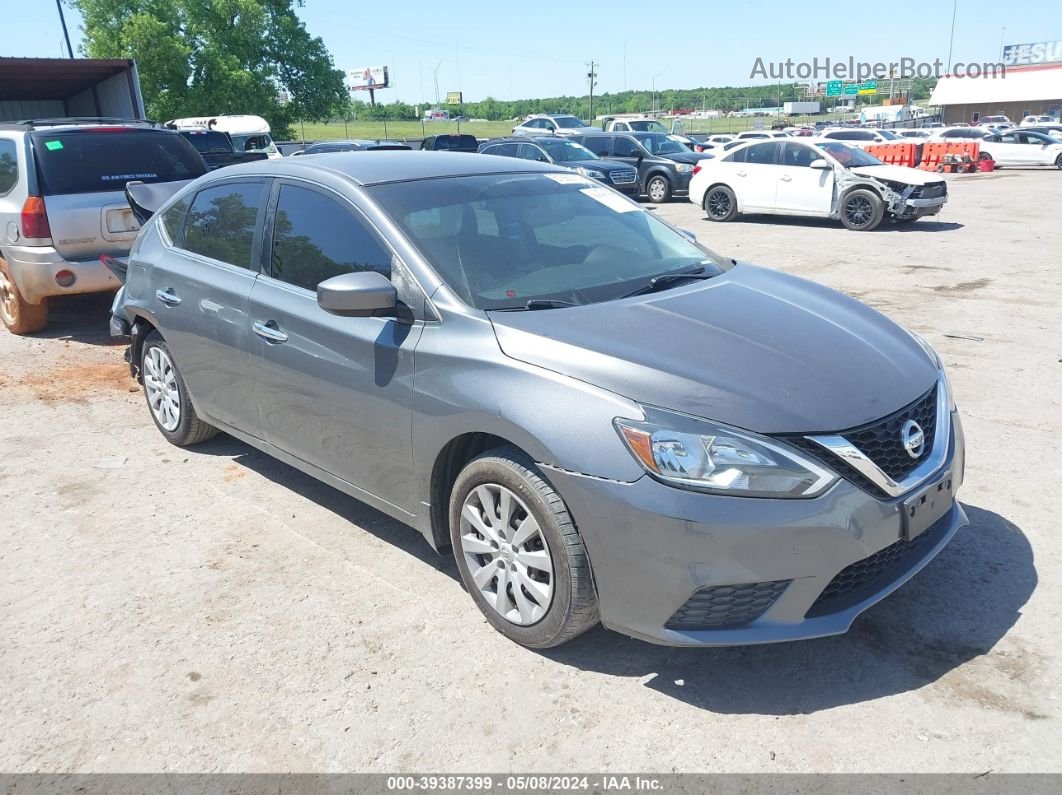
927,506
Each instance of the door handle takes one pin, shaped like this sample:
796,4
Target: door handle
742,173
270,333
786,178
168,297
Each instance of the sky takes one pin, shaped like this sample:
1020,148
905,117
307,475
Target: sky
538,49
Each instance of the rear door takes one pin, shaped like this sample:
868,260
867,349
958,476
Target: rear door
82,175
333,391
200,289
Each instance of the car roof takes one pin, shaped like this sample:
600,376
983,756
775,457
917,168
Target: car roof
388,166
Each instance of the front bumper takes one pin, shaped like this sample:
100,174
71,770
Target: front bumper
34,268
652,547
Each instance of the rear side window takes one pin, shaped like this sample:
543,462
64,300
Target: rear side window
87,162
597,144
221,222
8,166
466,143
173,220
315,238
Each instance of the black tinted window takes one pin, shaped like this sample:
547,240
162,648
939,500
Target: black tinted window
221,222
625,147
173,220
764,154
208,141
315,238
8,166
85,162
505,150
738,156
597,144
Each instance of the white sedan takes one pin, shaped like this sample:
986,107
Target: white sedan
818,179
1009,148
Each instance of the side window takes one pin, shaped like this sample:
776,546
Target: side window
173,220
765,154
505,150
597,144
529,152
315,238
8,166
1009,139
798,155
221,222
738,156
624,147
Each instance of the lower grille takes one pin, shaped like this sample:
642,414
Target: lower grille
623,177
868,576
726,606
934,190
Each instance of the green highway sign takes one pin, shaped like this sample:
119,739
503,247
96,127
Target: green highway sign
833,88
852,88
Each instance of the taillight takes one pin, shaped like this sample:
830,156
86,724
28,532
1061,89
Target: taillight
696,170
35,218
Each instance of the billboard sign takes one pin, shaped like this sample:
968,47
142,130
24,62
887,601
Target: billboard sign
454,98
368,78
833,88
1033,53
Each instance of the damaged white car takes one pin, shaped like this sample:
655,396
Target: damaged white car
818,179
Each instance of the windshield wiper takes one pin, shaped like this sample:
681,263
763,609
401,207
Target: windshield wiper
667,279
538,303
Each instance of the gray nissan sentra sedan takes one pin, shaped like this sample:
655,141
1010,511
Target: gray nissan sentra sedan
602,419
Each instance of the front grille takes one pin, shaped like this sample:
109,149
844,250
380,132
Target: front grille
868,576
726,606
623,177
934,190
881,442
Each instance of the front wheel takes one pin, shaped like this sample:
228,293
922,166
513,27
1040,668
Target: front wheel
861,210
658,189
519,553
167,396
1058,162
20,316
720,203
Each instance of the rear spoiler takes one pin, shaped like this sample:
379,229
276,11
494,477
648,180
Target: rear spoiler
145,198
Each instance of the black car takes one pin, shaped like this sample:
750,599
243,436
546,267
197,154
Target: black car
665,167
450,142
351,146
217,148
565,152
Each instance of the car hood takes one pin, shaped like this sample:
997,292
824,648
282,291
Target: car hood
752,348
908,176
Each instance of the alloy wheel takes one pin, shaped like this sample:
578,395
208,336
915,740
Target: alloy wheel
657,190
160,383
858,210
8,299
718,204
506,554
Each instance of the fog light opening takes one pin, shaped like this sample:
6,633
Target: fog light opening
65,278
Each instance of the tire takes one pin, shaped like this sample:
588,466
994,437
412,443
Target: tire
720,204
174,414
1058,162
19,316
556,601
658,189
987,156
861,210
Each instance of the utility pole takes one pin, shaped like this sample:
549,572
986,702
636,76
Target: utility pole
591,78
951,40
66,35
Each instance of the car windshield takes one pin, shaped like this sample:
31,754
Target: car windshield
889,135
209,142
567,151
848,156
259,142
648,126
660,144
568,122
500,241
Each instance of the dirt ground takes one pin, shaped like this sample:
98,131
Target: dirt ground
213,610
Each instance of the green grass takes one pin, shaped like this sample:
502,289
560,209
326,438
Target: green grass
492,129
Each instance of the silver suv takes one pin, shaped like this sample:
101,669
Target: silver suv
62,205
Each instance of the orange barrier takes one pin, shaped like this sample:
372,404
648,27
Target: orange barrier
894,154
933,154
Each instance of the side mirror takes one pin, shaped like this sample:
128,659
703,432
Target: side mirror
362,294
820,163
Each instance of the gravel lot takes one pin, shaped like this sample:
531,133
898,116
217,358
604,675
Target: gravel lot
214,610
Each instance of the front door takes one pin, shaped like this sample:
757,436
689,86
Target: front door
333,391
801,189
756,176
203,283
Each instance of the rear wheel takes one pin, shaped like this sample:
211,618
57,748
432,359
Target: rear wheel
658,189
518,551
167,396
1058,162
20,316
861,210
720,203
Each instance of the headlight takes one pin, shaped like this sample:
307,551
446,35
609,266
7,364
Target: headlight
589,172
683,168
723,461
